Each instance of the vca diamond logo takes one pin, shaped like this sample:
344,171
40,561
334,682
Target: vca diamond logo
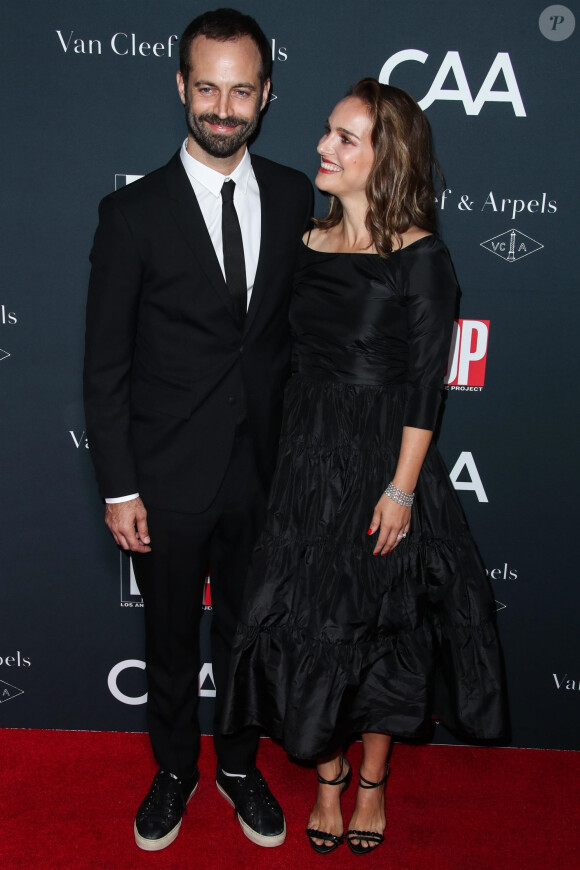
512,245
7,692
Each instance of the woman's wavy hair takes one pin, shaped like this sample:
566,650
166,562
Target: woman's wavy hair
400,188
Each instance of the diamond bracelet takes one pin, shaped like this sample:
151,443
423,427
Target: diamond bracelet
405,499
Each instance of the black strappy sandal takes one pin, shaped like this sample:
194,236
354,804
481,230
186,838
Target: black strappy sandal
371,837
336,839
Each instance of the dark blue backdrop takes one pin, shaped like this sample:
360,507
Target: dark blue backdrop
88,99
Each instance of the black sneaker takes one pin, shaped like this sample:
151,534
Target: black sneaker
159,817
258,811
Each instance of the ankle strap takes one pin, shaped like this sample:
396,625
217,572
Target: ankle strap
366,783
338,780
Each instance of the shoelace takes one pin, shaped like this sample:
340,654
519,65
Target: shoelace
257,784
155,797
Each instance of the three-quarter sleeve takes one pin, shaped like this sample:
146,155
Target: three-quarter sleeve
431,293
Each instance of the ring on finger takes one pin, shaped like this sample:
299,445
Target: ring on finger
402,535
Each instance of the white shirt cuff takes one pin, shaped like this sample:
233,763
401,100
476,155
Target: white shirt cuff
121,498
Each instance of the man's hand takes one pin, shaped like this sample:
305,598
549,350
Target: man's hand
127,522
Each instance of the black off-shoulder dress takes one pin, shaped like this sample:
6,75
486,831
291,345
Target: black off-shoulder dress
334,640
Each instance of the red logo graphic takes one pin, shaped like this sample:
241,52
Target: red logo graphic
207,593
468,354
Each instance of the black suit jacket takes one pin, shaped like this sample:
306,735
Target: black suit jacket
166,366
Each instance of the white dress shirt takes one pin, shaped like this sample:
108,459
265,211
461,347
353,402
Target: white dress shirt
207,186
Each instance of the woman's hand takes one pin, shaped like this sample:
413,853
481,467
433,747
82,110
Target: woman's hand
393,521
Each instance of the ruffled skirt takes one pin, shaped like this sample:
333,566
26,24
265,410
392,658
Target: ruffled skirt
335,641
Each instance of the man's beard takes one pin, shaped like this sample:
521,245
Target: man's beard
220,145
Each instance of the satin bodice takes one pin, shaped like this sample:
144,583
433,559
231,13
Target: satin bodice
368,320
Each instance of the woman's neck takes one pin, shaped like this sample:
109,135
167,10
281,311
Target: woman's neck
352,229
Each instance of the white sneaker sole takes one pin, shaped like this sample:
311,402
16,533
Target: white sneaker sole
258,839
162,842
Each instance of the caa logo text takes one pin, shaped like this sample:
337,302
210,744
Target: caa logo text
452,64
466,464
206,682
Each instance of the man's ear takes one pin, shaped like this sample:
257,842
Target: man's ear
265,93
180,86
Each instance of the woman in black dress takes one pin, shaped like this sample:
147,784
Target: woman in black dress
368,607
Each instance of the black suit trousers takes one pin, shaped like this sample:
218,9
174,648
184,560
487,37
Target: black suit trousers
171,580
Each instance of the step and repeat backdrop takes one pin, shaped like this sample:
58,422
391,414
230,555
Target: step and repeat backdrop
89,103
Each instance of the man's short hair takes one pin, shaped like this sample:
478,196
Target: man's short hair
224,25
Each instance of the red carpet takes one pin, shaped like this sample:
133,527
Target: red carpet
69,798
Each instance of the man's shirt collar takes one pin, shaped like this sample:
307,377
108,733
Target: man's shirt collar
213,180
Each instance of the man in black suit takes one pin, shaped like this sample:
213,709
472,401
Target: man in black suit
187,352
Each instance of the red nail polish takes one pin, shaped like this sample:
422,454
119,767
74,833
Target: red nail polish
369,531
389,551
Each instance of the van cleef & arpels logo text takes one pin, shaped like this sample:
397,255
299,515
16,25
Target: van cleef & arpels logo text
119,43
493,202
564,681
130,44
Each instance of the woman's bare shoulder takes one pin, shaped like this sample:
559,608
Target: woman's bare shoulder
315,238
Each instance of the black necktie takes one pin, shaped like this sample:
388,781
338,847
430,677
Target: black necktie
233,247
